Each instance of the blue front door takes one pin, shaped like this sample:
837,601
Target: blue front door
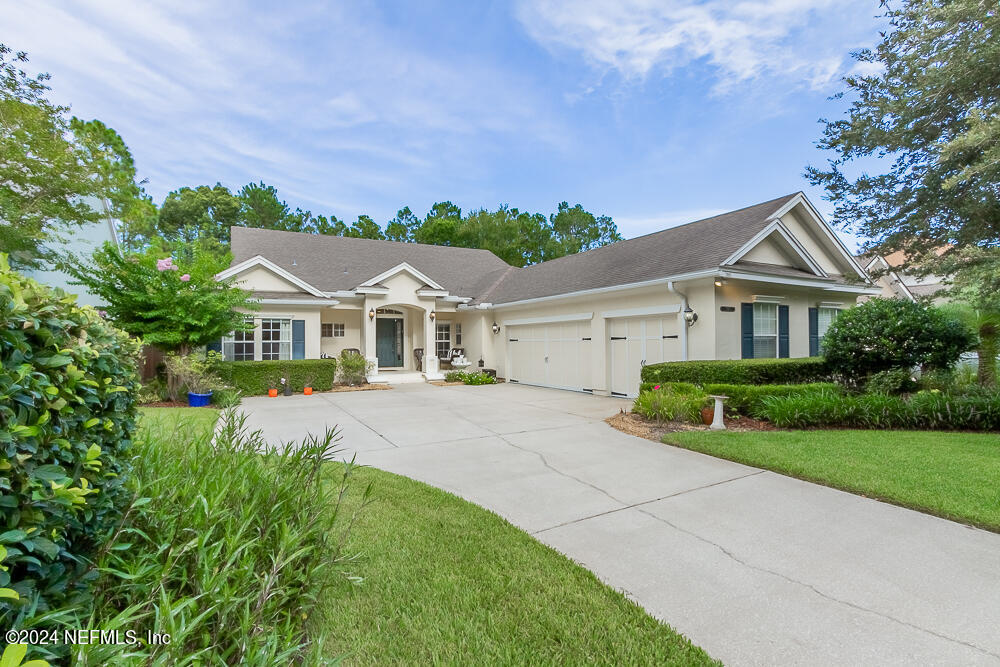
389,342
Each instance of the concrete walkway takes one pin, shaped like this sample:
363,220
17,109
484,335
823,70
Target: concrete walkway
755,567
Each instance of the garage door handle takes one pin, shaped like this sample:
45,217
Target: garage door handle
619,338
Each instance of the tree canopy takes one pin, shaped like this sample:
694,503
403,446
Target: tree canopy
927,124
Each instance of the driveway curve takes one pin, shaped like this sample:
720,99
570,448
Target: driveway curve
755,567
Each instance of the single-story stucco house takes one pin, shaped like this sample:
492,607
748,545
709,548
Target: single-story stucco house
762,281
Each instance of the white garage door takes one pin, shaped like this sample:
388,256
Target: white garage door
635,342
551,355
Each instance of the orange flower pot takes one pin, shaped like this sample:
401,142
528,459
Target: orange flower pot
308,391
272,392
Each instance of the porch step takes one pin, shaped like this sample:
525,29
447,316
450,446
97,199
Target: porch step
397,377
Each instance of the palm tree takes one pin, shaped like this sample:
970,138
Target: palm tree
986,323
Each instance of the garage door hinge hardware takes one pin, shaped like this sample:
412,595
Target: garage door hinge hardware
584,339
673,336
589,390
513,340
618,393
619,338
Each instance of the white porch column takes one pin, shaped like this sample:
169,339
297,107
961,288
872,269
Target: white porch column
431,370
368,338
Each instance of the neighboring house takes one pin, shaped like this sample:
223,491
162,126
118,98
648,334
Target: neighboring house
763,281
894,283
78,240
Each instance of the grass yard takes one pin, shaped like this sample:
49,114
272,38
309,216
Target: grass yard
953,475
194,420
446,581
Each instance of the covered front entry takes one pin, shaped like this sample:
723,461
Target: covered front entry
635,342
389,341
550,355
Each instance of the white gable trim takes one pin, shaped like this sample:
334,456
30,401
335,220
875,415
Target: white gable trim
777,227
260,260
800,198
396,269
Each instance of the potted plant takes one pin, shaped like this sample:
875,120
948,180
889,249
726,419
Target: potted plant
287,386
308,388
195,375
272,387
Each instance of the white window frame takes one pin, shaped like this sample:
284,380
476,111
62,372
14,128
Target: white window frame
284,344
442,329
458,334
326,329
244,338
338,330
820,330
756,329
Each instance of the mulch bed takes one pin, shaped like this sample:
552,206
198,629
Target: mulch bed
637,425
442,383
357,387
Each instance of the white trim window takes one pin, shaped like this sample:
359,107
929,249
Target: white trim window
458,334
338,330
765,330
442,341
824,318
239,345
332,330
275,339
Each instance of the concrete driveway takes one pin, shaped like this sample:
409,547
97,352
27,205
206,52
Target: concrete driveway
755,567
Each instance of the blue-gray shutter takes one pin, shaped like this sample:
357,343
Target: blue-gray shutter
298,339
783,332
746,326
814,332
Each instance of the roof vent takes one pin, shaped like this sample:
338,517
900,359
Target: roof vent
294,263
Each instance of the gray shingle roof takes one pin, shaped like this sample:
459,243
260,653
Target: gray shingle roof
696,246
332,263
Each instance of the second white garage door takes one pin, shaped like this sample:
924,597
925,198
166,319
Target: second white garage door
635,342
550,355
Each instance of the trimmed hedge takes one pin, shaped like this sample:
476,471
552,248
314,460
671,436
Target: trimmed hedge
254,378
932,410
740,371
68,385
748,399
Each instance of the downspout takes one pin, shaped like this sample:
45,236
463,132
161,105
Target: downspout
684,324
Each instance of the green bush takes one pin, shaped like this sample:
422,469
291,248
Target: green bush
354,368
748,399
979,411
739,371
478,378
68,386
231,561
253,378
886,334
454,376
676,387
891,382
664,405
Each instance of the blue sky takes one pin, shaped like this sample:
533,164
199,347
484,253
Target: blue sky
655,113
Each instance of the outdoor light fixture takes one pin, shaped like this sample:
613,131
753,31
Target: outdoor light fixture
690,316
371,313
720,282
433,315
496,328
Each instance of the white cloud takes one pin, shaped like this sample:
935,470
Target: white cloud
741,40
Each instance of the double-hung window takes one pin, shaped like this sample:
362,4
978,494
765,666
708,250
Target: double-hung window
458,334
239,345
765,331
275,339
442,342
824,318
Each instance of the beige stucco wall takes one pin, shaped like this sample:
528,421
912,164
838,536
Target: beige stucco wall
350,317
260,278
767,252
809,237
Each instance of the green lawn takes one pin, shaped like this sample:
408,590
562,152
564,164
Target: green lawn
446,581
953,475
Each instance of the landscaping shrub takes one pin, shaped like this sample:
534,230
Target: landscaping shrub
454,376
748,399
892,382
924,410
665,404
253,378
739,371
676,387
194,372
478,378
231,561
68,385
886,334
354,368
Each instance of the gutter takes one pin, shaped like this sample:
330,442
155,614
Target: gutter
684,324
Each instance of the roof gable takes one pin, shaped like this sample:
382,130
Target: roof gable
259,261
776,245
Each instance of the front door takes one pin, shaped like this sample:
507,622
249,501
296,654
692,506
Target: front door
389,342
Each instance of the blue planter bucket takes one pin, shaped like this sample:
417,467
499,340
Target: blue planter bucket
199,400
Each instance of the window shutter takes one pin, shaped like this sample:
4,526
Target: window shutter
814,332
214,346
298,339
783,332
746,326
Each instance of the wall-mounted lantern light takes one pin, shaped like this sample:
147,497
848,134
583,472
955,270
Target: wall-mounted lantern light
433,315
719,282
690,316
371,313
496,328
